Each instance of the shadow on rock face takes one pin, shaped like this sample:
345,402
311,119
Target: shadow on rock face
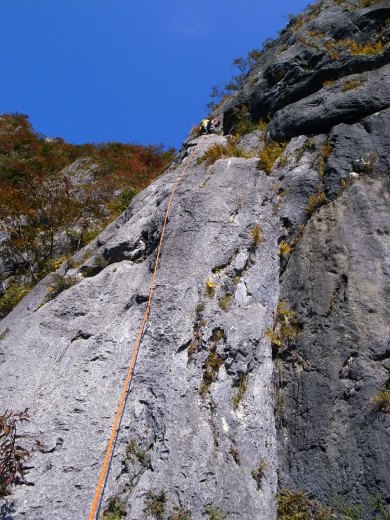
6,512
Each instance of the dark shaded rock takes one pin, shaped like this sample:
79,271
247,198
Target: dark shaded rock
298,63
319,112
332,441
362,148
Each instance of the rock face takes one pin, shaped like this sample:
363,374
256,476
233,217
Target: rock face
331,437
224,406
196,448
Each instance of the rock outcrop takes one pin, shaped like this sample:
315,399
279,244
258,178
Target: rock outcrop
268,339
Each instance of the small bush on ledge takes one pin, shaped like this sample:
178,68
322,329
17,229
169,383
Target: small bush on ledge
269,154
357,49
116,509
181,514
259,472
285,249
256,235
58,285
382,401
223,151
315,201
296,505
155,504
353,84
286,327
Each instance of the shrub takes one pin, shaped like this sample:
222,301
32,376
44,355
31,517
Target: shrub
210,370
330,47
293,505
241,390
256,234
315,201
198,336
41,203
195,131
97,265
286,326
309,42
181,514
55,263
214,513
58,285
353,84
269,154
218,335
296,505
210,288
262,125
223,151
225,302
315,34
134,451
116,509
325,153
259,472
358,49
367,3
285,249
235,454
295,22
90,234
350,511
212,364
382,401
123,201
12,296
328,83
244,124
155,504
380,507
12,455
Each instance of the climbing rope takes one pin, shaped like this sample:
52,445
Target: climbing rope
118,416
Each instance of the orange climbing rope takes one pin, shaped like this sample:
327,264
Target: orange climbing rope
103,473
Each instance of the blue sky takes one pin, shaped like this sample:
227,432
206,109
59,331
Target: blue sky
125,70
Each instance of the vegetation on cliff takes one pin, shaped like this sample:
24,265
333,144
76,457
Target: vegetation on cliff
56,197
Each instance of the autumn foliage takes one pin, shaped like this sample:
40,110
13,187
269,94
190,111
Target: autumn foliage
12,455
48,209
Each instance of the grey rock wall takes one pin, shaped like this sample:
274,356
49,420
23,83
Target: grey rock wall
69,366
216,416
332,439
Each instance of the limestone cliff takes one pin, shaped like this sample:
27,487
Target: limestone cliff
267,343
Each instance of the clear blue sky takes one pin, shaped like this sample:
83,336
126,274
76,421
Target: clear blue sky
125,70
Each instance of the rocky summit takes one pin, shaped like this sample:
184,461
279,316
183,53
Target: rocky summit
262,386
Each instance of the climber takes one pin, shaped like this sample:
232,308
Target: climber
205,126
208,127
